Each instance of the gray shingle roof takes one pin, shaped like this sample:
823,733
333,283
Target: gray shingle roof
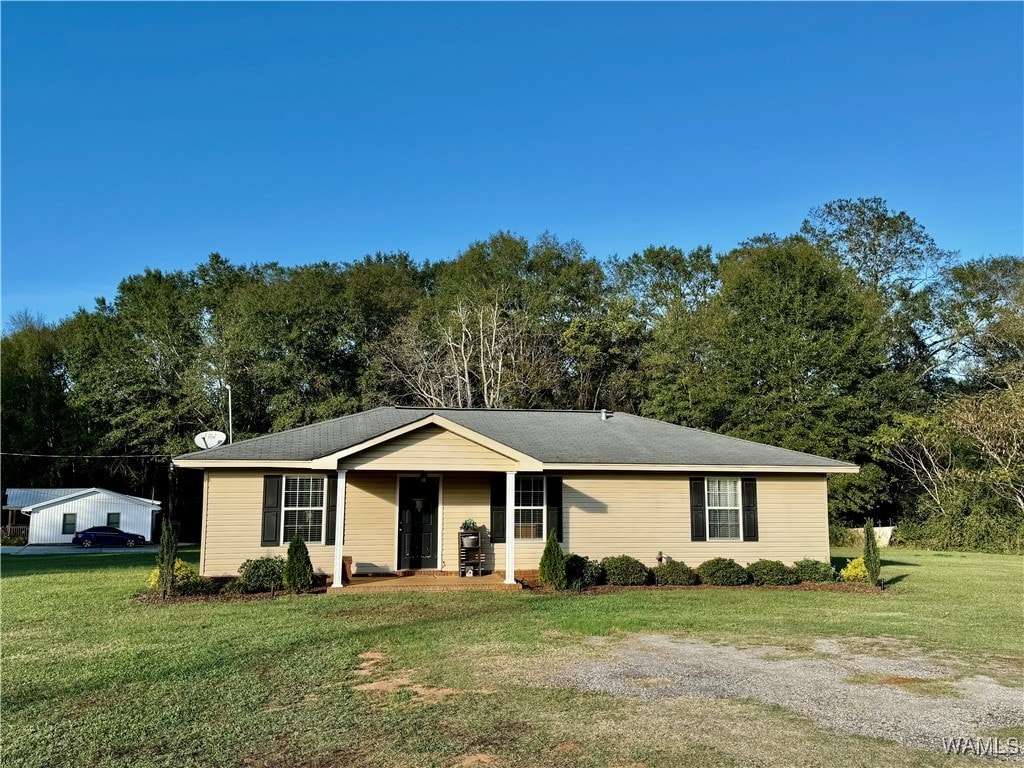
552,437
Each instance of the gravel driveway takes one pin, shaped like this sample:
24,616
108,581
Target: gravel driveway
909,699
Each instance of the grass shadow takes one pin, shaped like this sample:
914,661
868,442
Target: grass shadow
889,581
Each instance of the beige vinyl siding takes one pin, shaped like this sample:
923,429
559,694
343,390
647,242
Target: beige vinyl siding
233,520
642,514
430,449
604,514
464,496
371,521
233,524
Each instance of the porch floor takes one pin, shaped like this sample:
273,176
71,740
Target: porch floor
432,582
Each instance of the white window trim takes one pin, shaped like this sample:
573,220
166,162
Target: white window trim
544,508
323,508
74,523
707,509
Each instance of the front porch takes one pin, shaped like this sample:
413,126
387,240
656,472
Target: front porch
426,582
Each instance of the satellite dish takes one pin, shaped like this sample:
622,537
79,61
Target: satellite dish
210,439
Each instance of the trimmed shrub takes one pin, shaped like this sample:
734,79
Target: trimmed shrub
552,563
625,571
854,571
722,572
183,574
674,572
264,574
234,587
582,573
298,569
197,586
814,570
772,573
872,561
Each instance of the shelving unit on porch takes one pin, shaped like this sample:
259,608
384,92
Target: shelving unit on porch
471,559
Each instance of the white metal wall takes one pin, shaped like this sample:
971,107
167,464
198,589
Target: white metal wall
46,524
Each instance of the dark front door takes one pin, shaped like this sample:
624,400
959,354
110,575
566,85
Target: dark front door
417,522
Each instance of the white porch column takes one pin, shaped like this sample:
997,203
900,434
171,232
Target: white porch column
339,533
510,527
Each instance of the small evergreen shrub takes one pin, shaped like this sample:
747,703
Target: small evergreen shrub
625,571
552,563
722,572
872,561
772,573
582,573
264,574
298,569
814,570
674,572
183,574
167,555
855,570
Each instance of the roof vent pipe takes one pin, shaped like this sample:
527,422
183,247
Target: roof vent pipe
604,415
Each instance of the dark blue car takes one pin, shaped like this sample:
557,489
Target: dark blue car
107,536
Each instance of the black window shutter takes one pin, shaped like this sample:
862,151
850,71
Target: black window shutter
698,526
271,510
749,489
332,507
554,489
497,528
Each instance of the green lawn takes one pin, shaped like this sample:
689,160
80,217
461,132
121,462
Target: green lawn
92,677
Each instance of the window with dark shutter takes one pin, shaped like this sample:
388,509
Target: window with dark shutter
749,508
271,510
498,511
698,525
554,502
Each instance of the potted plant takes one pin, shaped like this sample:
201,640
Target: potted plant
469,535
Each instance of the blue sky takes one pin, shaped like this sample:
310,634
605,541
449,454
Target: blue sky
149,135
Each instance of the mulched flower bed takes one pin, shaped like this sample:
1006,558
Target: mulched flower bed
153,598
805,586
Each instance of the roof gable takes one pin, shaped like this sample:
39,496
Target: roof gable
431,447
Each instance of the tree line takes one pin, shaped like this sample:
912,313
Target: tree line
856,337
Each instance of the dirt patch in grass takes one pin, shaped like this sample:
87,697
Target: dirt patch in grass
371,660
371,664
480,758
